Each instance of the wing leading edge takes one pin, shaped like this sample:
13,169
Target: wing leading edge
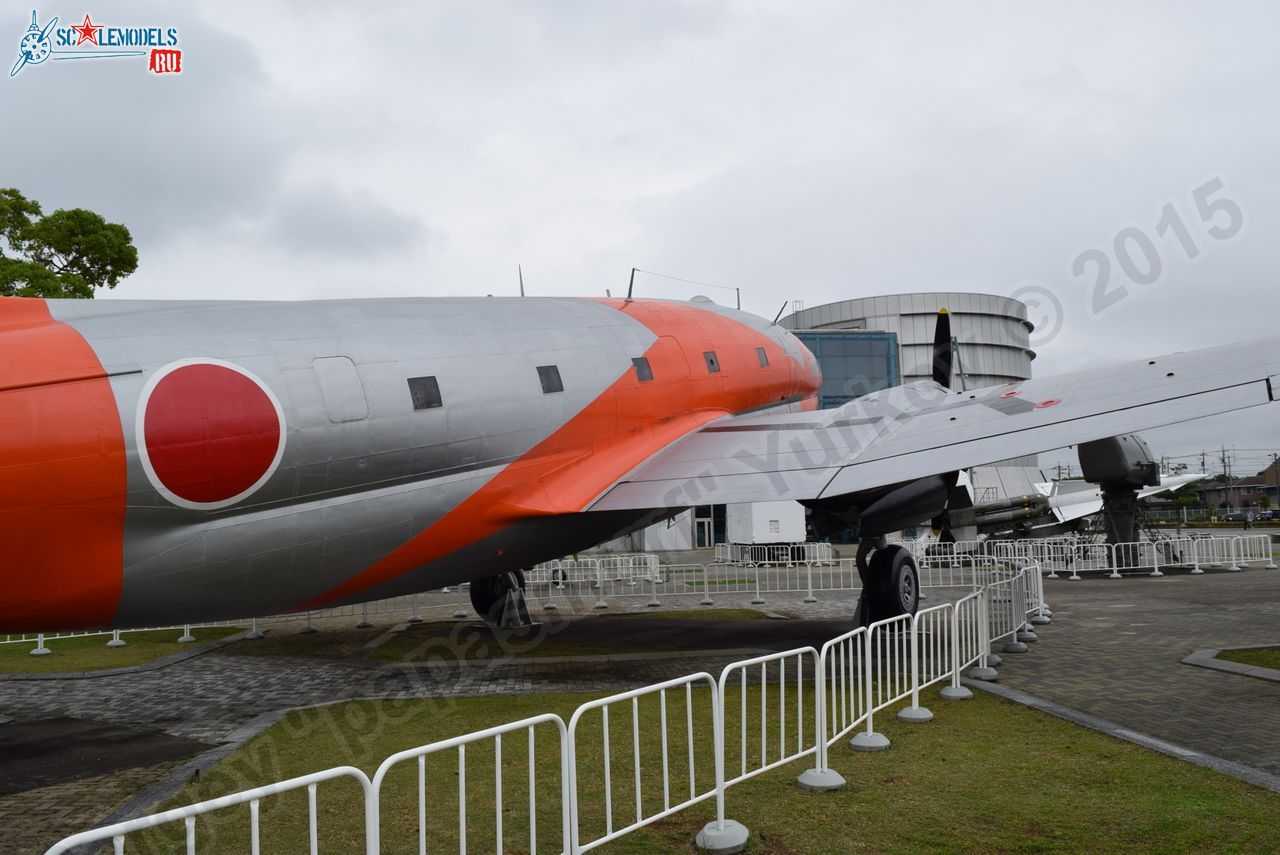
922,429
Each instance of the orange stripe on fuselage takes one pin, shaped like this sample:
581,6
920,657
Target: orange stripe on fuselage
625,426
62,476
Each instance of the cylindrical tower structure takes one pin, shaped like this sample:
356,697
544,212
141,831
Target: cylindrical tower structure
992,331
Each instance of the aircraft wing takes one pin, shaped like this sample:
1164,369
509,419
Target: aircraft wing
922,429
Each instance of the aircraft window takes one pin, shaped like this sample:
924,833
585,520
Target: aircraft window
713,364
643,370
550,377
425,392
763,357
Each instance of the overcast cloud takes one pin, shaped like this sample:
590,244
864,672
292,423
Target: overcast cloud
801,151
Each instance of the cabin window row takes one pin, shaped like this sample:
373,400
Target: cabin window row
645,372
425,391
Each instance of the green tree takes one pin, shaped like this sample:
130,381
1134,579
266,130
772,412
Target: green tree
68,253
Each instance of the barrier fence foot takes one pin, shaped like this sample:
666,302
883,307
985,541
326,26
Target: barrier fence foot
706,601
39,651
820,780
811,599
757,602
550,607
1074,577
985,673
1041,620
364,624
1235,568
869,742
1014,647
1196,571
957,693
722,839
915,714
116,640
994,660
1027,634
1270,565
186,637
602,605
460,614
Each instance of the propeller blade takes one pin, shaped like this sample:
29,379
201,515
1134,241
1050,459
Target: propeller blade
943,350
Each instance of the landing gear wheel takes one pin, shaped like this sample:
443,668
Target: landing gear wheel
895,583
489,596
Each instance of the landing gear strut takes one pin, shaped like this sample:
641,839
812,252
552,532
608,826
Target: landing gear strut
890,582
500,600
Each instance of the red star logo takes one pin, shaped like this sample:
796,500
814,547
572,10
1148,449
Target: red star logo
87,32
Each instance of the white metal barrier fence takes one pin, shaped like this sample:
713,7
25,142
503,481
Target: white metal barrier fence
117,833
493,736
643,815
787,554
1074,556
807,700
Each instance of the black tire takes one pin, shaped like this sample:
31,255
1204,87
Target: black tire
895,583
487,594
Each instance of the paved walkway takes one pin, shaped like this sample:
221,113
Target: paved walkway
1114,651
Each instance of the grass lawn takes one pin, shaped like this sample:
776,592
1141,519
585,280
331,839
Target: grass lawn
583,636
1261,657
90,652
701,613
985,776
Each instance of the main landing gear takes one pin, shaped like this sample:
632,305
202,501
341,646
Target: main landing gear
500,600
890,582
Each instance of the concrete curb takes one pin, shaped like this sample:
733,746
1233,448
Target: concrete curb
1208,658
1248,774
154,665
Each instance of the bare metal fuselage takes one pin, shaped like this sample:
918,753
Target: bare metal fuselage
369,497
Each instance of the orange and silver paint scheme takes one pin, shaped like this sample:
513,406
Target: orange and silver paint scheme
168,462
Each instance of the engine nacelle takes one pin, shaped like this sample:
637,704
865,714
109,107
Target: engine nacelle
889,509
1120,461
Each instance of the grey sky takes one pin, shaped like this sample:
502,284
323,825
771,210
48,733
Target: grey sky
802,151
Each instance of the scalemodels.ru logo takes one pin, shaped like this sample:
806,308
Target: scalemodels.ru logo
89,40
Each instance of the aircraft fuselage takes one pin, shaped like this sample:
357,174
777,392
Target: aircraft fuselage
181,461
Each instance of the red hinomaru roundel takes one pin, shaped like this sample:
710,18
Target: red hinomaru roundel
209,433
